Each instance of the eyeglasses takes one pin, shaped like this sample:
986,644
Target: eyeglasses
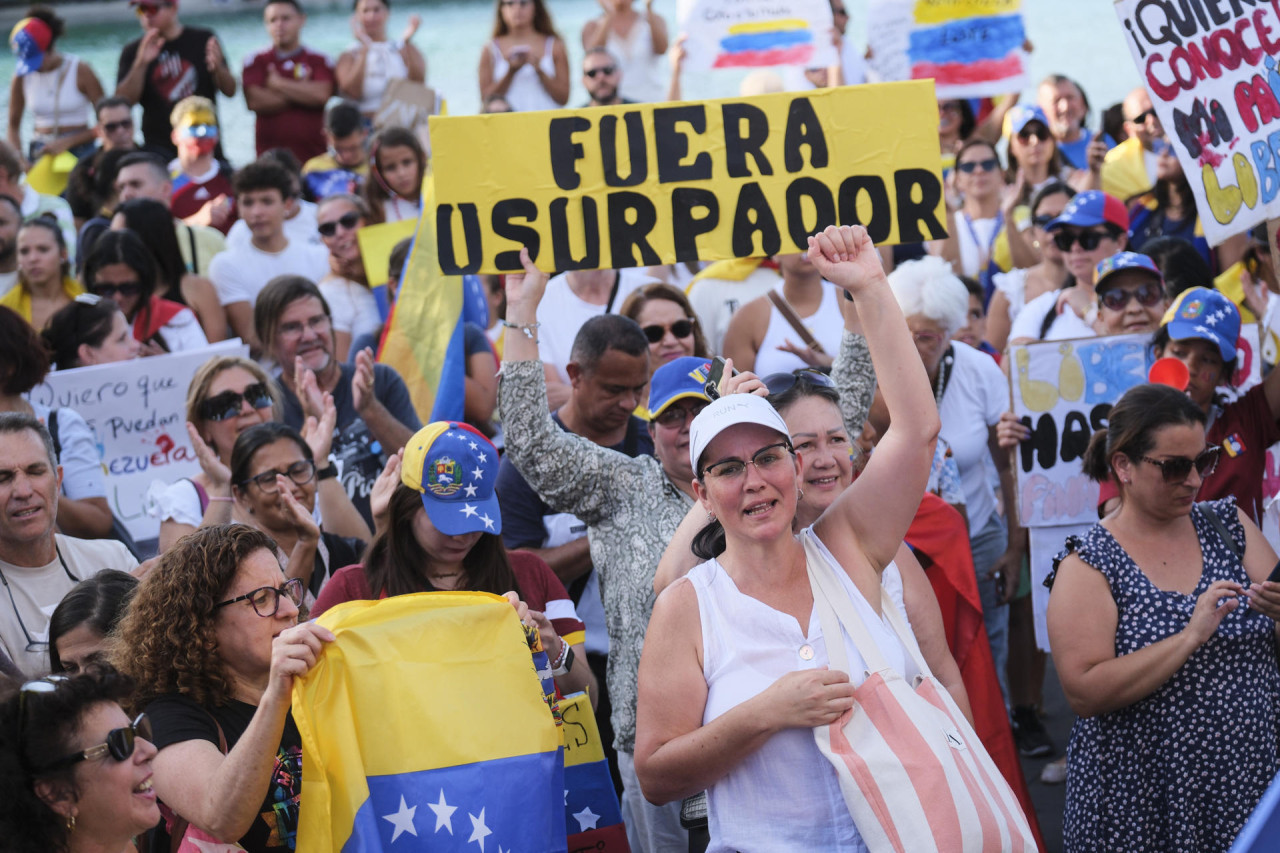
1176,468
227,405
33,645
1141,118
509,3
606,70
300,472
108,290
781,383
680,328
988,165
1025,135
150,8
1088,240
1149,294
348,221
674,416
113,126
318,323
266,599
765,459
120,745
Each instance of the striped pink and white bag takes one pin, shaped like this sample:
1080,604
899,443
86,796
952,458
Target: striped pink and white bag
913,772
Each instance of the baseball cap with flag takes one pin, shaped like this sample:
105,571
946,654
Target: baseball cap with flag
455,468
1090,208
1206,314
678,379
30,39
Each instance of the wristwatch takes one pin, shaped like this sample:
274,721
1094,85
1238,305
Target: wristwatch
329,472
565,662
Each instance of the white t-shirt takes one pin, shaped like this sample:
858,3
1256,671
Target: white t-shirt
8,280
240,274
82,472
183,332
37,591
977,393
1013,284
300,229
1065,325
352,306
562,313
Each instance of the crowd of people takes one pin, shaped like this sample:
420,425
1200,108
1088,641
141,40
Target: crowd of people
661,460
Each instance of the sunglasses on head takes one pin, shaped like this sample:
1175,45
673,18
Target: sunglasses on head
1148,294
1176,468
606,70
347,220
119,745
781,383
108,290
988,165
1025,135
113,126
680,328
227,405
1088,240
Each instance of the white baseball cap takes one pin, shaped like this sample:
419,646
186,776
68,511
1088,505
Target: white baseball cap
728,411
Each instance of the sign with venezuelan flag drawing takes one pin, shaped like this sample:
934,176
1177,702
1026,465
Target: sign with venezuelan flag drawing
756,33
424,728
646,184
970,48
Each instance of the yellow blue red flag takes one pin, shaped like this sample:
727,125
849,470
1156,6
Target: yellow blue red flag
592,817
424,728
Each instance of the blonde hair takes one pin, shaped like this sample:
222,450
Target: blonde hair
198,390
189,105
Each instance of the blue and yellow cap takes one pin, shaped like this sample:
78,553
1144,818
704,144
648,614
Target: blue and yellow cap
455,468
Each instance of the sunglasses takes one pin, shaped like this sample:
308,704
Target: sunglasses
300,472
1176,469
674,416
1042,221
1141,118
149,8
347,220
971,166
509,3
120,744
227,405
1025,135
265,600
108,290
1148,294
781,383
680,328
606,70
1088,240
113,126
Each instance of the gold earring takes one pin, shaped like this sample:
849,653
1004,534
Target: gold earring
71,823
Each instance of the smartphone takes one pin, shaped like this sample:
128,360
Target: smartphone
1274,577
712,385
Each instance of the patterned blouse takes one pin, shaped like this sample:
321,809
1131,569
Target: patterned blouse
631,509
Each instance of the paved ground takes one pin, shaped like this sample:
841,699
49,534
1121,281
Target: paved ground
1049,799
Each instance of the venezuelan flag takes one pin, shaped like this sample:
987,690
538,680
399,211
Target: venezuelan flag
424,338
592,817
786,41
968,50
424,728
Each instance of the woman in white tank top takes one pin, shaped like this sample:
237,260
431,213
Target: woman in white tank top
365,70
58,88
638,41
733,677
525,63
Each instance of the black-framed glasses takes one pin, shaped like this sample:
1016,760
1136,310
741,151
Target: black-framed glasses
227,405
109,290
1042,220
347,220
1176,468
113,126
606,70
1025,135
675,415
301,472
1149,294
1088,240
266,599
781,383
988,165
680,328
765,459
119,745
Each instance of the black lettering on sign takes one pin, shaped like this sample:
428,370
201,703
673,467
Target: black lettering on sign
565,152
685,226
737,146
1075,436
1042,448
560,251
751,216
470,238
624,235
672,146
1098,416
911,212
824,206
803,129
881,221
636,150
522,235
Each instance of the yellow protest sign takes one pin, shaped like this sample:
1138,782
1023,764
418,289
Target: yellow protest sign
644,184
376,243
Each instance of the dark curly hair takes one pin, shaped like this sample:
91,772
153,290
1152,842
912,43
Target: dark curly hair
37,728
167,642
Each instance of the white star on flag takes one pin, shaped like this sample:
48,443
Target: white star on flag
586,819
444,813
479,832
475,446
566,796
1201,328
470,489
488,522
468,510
449,434
1212,319
402,820
477,473
482,457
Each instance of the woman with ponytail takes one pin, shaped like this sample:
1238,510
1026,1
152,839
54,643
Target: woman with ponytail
1163,630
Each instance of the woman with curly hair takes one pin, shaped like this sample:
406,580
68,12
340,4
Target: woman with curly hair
75,774
213,643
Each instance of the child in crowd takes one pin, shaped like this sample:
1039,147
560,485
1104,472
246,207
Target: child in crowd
397,164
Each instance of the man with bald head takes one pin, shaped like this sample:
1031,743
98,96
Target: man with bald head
1130,167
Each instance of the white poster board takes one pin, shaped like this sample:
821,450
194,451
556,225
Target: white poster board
1215,86
756,33
137,411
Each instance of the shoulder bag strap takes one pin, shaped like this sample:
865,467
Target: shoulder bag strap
1215,520
178,831
613,293
793,320
51,424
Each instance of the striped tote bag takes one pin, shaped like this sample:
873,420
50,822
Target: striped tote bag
913,772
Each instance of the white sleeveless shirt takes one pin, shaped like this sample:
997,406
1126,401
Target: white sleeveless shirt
382,64
826,325
644,76
54,98
526,92
785,796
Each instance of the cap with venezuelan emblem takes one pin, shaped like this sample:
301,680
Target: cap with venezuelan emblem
1090,208
455,468
30,39
1206,314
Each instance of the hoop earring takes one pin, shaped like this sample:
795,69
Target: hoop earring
711,517
799,494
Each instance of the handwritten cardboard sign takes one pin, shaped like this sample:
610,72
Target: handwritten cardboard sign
756,33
